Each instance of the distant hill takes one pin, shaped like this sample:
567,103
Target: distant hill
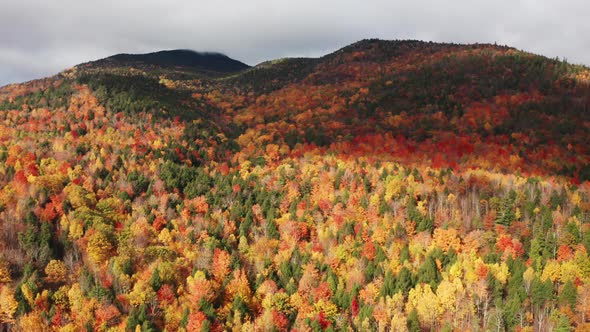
206,61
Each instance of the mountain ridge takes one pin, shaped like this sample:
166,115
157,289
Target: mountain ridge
208,61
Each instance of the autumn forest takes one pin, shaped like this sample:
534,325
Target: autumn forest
388,186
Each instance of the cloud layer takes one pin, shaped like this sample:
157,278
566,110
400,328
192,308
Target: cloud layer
40,38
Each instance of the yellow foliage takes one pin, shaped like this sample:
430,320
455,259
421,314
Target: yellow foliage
425,302
5,272
456,269
28,294
8,305
78,196
576,198
99,248
569,271
142,293
165,236
500,271
60,297
76,298
551,271
32,322
55,271
329,308
528,276
52,182
447,293
70,327
393,187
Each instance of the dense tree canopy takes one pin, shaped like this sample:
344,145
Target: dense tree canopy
391,186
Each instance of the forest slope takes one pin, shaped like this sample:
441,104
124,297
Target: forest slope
390,185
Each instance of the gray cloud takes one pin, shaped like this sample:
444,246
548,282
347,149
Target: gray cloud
40,38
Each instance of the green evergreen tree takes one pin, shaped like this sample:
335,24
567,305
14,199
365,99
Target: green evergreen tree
568,295
413,322
428,273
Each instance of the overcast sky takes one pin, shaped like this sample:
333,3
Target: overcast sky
40,37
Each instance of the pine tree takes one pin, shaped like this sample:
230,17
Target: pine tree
568,294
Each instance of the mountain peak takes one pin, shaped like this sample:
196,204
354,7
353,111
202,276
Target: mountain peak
185,58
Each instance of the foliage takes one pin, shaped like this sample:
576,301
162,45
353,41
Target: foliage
387,186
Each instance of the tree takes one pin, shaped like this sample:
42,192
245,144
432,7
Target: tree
425,302
8,305
405,281
5,276
428,273
99,247
568,294
55,271
413,322
220,267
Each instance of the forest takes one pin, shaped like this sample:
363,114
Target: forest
388,186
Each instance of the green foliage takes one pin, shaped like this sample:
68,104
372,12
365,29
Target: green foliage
428,273
132,94
506,209
541,292
568,295
191,181
155,280
413,322
405,281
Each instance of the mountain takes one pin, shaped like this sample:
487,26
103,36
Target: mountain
186,59
395,185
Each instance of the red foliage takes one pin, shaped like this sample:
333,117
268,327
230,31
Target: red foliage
482,271
509,246
325,205
159,223
564,253
106,313
47,213
223,169
354,307
369,250
195,322
57,319
166,294
280,320
20,177
322,292
32,169
324,322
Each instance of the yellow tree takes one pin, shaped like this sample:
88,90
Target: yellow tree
8,305
5,272
425,302
99,247
55,272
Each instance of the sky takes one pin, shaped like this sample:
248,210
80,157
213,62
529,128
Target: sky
39,38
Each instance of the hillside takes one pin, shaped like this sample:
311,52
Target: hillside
390,185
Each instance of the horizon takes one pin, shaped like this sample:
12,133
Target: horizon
209,52
41,39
